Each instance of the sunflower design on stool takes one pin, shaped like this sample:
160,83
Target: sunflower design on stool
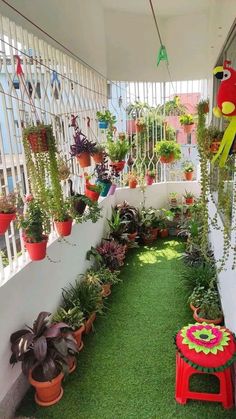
204,348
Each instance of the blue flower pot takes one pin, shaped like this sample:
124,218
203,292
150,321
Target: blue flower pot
105,187
103,124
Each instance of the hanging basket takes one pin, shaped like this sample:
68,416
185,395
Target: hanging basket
105,187
84,159
118,166
169,159
63,228
37,251
103,124
38,141
5,221
188,128
98,158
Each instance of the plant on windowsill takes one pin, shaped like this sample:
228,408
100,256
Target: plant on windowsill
7,211
117,150
35,225
168,151
82,148
43,352
74,318
106,119
189,197
209,310
85,295
187,122
188,169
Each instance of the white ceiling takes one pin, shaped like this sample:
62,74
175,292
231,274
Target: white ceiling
162,8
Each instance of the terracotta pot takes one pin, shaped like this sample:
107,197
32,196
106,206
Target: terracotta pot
5,221
89,323
192,307
164,233
106,290
188,175
47,392
166,160
77,334
37,251
214,147
38,141
98,157
112,189
133,184
189,201
118,166
147,238
84,159
154,233
72,363
63,228
202,320
149,180
91,194
132,236
188,128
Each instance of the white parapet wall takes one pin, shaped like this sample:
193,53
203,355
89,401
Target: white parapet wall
37,286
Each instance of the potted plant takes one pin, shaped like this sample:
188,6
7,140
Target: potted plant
42,351
132,179
168,151
105,119
214,137
98,153
130,216
209,310
112,254
176,211
107,278
150,177
82,148
7,211
117,226
203,106
85,295
117,151
164,216
35,225
92,191
38,137
61,214
74,318
189,197
147,216
187,122
188,169
196,298
140,124
173,199
103,178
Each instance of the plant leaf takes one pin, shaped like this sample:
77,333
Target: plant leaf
40,348
55,330
17,335
41,322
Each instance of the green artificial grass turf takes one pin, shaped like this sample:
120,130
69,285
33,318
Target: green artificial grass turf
127,368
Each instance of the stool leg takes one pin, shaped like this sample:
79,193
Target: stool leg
226,389
180,367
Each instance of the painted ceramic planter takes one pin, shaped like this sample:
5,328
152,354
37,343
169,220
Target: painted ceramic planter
37,251
5,221
63,228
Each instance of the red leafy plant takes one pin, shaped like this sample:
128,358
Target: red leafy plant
43,349
112,253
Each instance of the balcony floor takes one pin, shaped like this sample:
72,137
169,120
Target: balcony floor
127,368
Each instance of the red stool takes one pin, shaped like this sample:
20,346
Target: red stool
204,349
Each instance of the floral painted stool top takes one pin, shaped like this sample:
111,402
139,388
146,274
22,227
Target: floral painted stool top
206,347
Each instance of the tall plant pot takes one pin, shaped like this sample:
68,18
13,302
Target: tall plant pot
188,175
91,194
118,166
112,189
188,128
63,228
47,392
89,323
84,159
77,334
5,221
202,320
37,251
169,159
38,141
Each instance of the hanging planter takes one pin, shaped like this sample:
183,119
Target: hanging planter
5,221
186,120
168,151
150,177
7,211
105,119
118,166
133,182
92,191
84,159
82,148
63,228
166,160
37,251
89,323
188,128
98,157
38,138
188,175
105,185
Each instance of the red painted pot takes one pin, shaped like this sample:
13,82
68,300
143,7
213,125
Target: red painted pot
84,159
188,175
118,166
189,201
98,158
89,323
78,337
133,184
38,141
164,233
63,228
169,159
188,128
149,180
37,251
47,392
5,221
91,194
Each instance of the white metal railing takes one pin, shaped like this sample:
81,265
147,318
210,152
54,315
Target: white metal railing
51,87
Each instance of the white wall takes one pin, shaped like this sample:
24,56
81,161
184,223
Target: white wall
78,24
